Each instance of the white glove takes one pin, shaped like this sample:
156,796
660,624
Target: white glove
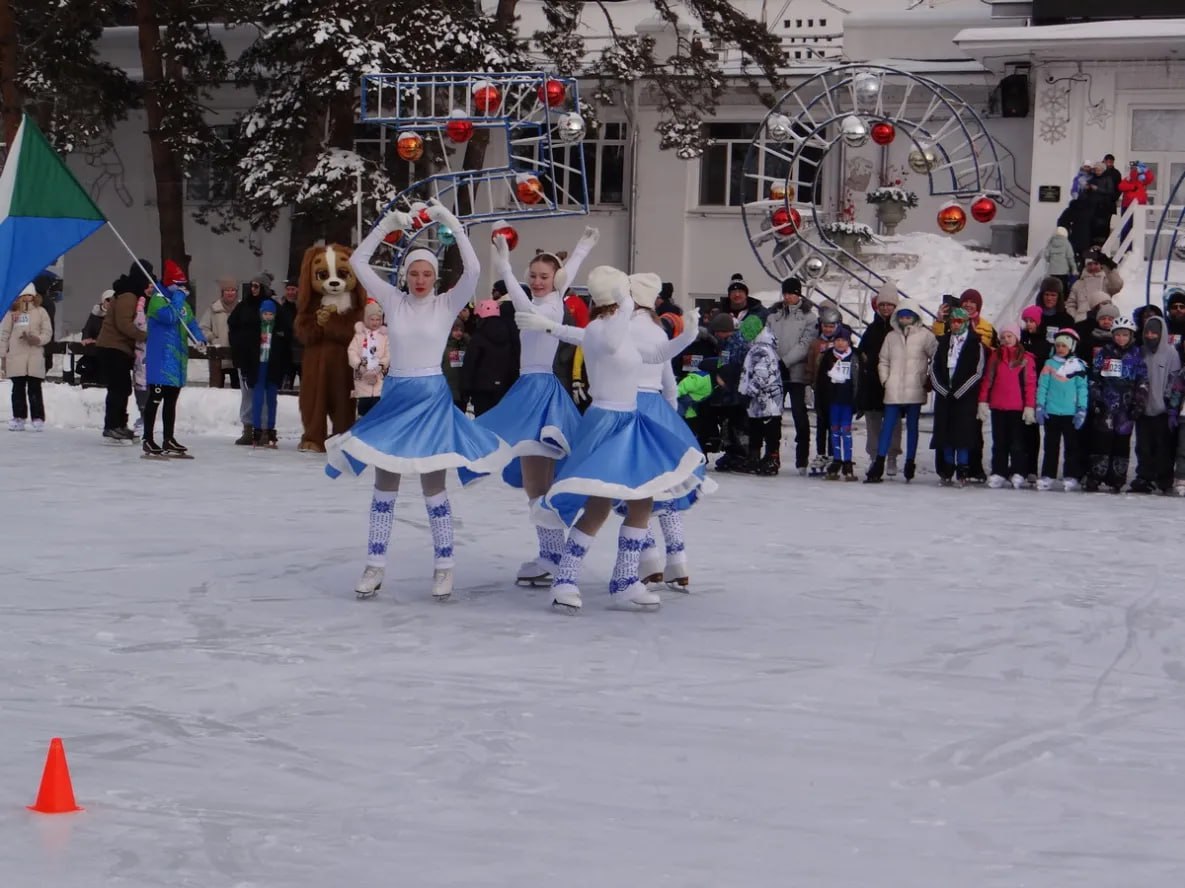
691,319
579,395
201,347
530,320
1029,415
984,413
501,252
438,213
396,220
590,237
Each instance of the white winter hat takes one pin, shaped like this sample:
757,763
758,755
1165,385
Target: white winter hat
1061,232
422,255
604,282
644,287
887,293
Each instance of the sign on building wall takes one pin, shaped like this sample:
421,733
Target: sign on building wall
1049,193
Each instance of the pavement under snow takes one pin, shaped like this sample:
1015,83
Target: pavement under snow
870,686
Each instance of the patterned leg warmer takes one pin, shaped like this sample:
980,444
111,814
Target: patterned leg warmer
551,532
575,549
382,516
629,552
671,523
440,519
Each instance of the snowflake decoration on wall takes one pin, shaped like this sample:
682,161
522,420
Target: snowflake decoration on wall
1053,129
1099,115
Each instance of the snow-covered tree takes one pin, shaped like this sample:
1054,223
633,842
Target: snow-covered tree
49,68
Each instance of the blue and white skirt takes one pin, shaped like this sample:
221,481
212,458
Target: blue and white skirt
537,417
415,429
623,455
655,406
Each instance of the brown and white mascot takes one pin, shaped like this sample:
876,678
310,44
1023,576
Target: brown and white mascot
329,304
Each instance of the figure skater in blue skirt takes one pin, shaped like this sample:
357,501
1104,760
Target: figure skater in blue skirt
415,428
537,416
620,453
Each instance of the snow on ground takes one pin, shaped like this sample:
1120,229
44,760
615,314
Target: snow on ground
870,686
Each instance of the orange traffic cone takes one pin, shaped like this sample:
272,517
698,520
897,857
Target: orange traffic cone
56,795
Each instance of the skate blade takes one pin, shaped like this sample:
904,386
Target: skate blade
533,582
154,457
178,456
568,610
633,607
366,596
682,584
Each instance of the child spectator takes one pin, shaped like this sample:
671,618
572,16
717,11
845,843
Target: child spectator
955,376
694,388
1008,398
491,365
454,359
1062,400
761,383
1157,424
829,326
1059,258
370,357
903,366
1054,317
1118,393
1095,331
275,350
171,325
23,333
838,381
1098,283
1174,304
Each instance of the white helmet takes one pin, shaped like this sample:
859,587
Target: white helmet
1123,322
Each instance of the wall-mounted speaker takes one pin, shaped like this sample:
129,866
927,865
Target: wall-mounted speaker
1014,96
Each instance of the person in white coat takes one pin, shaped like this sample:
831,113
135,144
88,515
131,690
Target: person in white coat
904,365
415,427
25,330
620,453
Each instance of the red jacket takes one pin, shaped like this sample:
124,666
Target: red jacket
1009,387
1135,187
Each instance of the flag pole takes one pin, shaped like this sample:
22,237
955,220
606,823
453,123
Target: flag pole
140,265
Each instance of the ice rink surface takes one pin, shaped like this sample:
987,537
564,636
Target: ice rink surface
869,687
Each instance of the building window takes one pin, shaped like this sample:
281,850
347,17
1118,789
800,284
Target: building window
1162,129
822,23
799,23
604,166
722,181
208,182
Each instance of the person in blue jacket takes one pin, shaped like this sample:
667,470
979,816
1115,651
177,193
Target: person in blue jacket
170,324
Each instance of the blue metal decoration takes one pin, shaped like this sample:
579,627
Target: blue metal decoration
1168,244
535,156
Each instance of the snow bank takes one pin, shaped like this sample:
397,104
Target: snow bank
200,411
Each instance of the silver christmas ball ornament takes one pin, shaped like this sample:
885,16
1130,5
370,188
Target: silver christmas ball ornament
814,267
779,128
570,127
867,87
854,131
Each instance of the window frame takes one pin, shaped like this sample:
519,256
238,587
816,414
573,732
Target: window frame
727,206
224,132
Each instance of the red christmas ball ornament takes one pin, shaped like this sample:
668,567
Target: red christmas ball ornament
552,93
528,189
785,221
458,129
486,97
883,132
952,218
410,146
502,228
984,209
393,238
419,216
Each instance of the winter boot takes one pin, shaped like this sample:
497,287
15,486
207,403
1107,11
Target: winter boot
247,438
1018,482
1045,484
271,439
876,471
1140,485
256,437
16,425
833,470
996,482
39,425
771,465
1178,488
849,471
891,467
1070,485
910,470
1092,485
962,476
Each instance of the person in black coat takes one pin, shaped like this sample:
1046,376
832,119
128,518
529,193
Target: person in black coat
243,331
955,374
490,367
739,303
871,400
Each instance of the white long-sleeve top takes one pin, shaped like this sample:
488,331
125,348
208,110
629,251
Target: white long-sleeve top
537,349
655,377
418,328
615,357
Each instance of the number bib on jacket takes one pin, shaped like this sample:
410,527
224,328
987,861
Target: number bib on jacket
22,319
1113,368
842,371
456,357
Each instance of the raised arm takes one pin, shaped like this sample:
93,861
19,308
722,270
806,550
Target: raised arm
658,353
377,288
520,300
462,292
566,275
531,320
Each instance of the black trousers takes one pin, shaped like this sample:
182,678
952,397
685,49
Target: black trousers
765,430
1155,453
975,460
822,426
802,423
1109,455
27,389
117,374
1032,448
1061,434
484,401
159,395
365,405
1009,453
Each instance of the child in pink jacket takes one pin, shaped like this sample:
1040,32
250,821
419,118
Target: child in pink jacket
370,357
1008,397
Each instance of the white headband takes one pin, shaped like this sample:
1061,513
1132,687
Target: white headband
421,255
